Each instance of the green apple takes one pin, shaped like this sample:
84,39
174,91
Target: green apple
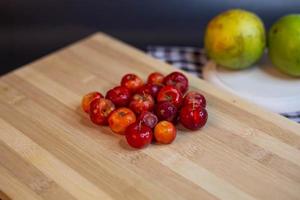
284,44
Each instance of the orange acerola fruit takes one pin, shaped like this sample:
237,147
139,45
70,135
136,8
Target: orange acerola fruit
88,98
120,119
164,132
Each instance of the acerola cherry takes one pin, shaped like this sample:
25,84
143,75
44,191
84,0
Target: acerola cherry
141,102
150,89
194,98
178,80
171,94
100,110
132,82
138,135
88,98
193,117
120,119
155,78
148,119
164,132
119,95
166,111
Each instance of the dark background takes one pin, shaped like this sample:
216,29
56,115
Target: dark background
33,28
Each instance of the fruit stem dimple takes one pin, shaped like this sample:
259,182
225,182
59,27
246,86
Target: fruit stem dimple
140,125
122,114
168,97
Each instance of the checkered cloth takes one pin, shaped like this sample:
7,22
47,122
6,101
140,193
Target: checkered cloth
192,59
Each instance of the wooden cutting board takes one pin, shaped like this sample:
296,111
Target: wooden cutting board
49,149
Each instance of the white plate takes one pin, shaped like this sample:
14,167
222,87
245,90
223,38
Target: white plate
262,84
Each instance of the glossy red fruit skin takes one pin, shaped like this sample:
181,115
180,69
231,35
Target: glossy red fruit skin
138,135
141,102
119,95
170,93
100,110
194,98
132,82
193,118
88,98
178,80
166,111
155,78
150,89
148,119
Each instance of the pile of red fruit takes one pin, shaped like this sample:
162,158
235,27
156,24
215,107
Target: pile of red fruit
148,112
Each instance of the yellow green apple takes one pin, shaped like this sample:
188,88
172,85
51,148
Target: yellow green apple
235,39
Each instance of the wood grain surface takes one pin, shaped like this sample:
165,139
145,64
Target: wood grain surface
49,149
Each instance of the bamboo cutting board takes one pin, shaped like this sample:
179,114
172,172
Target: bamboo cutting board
50,150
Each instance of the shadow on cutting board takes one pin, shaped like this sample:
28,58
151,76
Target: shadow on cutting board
3,196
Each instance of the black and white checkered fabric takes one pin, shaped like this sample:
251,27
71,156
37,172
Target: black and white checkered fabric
192,59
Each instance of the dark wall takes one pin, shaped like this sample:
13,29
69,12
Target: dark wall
33,28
